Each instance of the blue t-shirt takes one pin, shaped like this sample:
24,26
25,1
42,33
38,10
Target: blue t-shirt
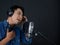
19,37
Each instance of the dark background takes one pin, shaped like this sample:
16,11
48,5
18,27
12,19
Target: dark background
45,15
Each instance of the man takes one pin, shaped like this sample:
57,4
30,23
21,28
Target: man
10,34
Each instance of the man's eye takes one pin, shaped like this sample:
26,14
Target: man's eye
19,13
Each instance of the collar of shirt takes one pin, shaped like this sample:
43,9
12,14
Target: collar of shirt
6,24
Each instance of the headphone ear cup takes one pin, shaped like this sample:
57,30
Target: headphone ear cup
10,12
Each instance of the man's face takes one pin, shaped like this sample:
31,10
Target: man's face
17,16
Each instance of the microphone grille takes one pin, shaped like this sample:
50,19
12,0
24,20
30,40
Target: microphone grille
31,27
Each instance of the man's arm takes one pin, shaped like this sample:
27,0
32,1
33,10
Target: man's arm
4,41
9,36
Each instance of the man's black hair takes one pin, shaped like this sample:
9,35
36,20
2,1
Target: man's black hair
13,8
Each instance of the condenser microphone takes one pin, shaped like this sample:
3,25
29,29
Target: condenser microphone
28,28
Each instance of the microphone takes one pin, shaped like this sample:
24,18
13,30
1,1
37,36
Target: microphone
31,27
28,28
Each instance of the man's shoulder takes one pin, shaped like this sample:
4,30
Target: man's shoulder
1,23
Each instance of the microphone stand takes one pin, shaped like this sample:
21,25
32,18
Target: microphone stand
45,37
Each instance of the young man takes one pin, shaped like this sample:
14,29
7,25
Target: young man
10,34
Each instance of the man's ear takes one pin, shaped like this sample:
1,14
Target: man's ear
25,18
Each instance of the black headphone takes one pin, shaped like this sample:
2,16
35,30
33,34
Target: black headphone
13,8
10,12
